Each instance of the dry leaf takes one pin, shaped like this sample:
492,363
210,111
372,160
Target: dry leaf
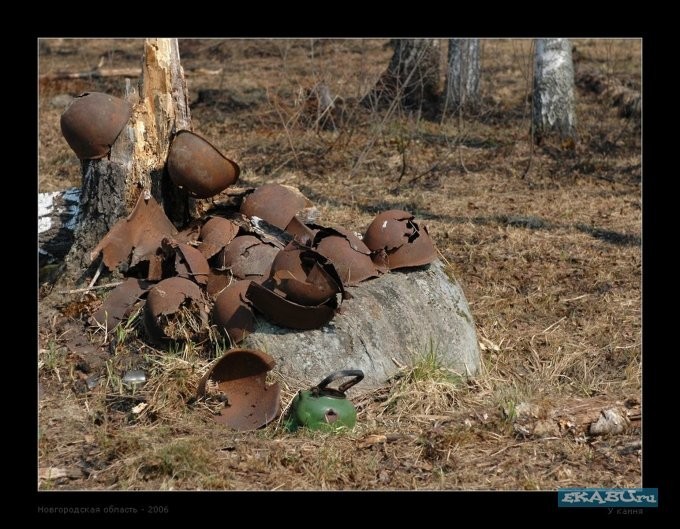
371,440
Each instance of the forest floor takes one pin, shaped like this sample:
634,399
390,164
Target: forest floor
545,242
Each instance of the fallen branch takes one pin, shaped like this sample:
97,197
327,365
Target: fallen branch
99,73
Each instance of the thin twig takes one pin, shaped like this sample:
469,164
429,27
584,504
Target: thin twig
517,445
403,165
96,274
87,289
551,326
460,131
398,363
434,167
575,299
287,131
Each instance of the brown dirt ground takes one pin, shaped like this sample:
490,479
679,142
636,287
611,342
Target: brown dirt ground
549,258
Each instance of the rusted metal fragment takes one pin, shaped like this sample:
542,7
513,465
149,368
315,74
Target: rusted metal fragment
303,276
275,203
175,310
189,262
119,302
248,257
301,263
191,233
405,242
318,287
239,379
195,164
137,238
216,234
92,122
302,233
289,260
232,314
155,271
288,314
218,280
350,256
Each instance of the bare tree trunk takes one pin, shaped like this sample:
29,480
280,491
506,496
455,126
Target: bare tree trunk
553,97
412,76
110,187
462,75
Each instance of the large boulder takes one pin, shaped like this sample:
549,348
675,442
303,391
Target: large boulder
390,321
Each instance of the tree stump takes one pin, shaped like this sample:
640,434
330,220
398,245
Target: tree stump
411,78
111,186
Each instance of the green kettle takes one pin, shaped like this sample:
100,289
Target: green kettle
324,408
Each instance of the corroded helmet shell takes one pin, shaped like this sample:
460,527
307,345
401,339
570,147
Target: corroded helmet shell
164,302
350,256
248,257
196,165
405,242
240,377
92,122
232,314
275,203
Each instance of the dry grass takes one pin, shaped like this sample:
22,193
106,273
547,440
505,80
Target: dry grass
549,260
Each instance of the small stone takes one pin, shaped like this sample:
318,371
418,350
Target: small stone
61,101
92,381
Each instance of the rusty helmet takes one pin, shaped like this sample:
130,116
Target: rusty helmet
240,378
248,257
232,314
275,203
350,256
92,122
402,241
163,306
196,165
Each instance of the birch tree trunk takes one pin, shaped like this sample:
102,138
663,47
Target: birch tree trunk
110,187
462,75
412,76
553,97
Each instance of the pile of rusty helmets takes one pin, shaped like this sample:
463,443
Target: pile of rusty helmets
218,272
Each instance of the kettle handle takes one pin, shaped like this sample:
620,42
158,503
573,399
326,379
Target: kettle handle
358,375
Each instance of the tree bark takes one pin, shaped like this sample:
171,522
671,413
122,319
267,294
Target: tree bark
411,78
553,96
462,75
111,186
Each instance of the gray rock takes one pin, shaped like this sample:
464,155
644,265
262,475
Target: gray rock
61,101
398,316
